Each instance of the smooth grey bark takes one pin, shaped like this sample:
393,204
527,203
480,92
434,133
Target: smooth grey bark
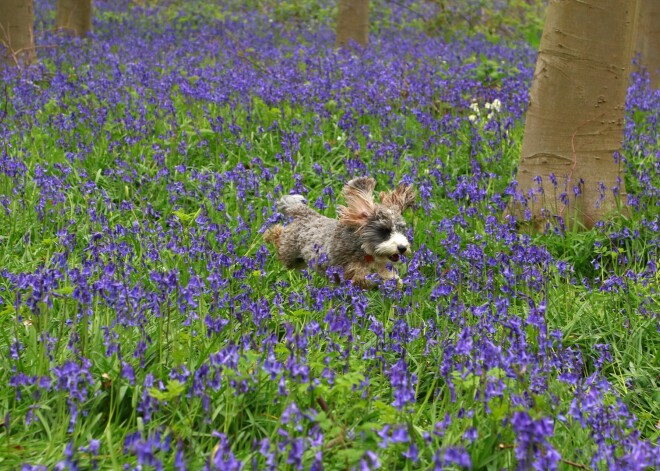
353,22
575,120
16,35
647,43
74,16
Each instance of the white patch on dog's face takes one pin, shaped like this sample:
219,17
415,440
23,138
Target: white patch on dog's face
393,247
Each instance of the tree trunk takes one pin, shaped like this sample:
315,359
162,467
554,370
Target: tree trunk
648,39
74,16
16,36
353,22
575,120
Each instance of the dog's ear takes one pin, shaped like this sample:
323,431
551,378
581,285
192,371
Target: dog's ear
402,197
365,184
360,204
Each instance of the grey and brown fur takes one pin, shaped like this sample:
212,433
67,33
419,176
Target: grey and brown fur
366,238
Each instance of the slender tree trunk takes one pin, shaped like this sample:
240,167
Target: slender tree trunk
575,120
74,16
353,22
16,36
648,39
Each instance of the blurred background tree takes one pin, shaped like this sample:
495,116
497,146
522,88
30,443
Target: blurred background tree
352,22
648,39
74,16
16,35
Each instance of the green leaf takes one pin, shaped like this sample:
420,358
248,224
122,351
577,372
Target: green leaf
64,290
174,389
387,411
187,219
8,310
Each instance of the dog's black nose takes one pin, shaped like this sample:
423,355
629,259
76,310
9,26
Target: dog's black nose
402,248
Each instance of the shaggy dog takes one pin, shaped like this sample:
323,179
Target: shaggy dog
366,238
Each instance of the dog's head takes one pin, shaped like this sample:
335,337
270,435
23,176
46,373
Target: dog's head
379,226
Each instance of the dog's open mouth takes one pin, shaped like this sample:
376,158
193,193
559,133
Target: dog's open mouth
394,257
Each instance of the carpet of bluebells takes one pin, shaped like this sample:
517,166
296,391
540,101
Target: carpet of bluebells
144,324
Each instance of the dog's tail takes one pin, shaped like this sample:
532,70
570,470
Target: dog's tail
288,204
273,234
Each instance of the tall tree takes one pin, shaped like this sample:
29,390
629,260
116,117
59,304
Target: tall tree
575,120
648,39
16,35
353,22
74,16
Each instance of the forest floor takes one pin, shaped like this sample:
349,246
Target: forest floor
145,324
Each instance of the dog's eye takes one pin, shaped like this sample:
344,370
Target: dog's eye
384,232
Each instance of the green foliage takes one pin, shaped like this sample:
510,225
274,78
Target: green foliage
520,20
169,343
